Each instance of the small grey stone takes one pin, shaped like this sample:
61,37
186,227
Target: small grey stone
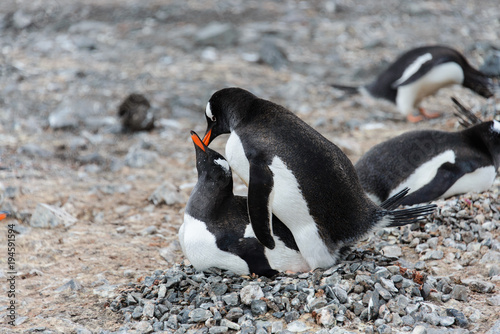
325,317
218,329
459,292
34,151
258,307
481,286
384,329
231,299
419,330
234,313
21,20
408,320
71,285
199,315
64,117
272,54
388,284
297,326
392,251
230,324
139,158
382,292
341,294
166,193
381,273
460,318
148,310
446,321
291,316
493,301
495,329
250,292
137,313
144,327
432,318
217,34
491,256
48,216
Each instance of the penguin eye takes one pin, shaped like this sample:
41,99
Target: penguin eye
212,118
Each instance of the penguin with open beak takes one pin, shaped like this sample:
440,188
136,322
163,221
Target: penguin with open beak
217,232
434,164
294,172
421,72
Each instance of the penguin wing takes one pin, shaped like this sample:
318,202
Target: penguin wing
260,186
446,177
412,74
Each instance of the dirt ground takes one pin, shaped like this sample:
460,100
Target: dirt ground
87,56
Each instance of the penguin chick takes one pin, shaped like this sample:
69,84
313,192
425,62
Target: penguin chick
294,172
421,72
433,164
216,231
136,114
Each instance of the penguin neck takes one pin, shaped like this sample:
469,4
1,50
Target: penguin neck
484,138
208,198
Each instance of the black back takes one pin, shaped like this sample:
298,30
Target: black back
389,163
384,85
325,175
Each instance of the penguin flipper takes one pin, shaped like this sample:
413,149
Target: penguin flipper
418,73
445,177
260,202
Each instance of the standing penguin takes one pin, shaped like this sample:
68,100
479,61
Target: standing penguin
216,231
433,164
421,72
294,172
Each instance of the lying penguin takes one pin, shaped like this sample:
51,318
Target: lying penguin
433,164
422,72
294,172
216,231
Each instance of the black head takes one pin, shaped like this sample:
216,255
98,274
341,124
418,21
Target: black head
225,109
213,169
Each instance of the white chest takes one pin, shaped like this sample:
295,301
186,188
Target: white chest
199,246
440,76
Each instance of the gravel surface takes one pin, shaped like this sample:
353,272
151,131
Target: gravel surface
97,209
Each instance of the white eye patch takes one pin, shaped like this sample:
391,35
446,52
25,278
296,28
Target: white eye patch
208,112
223,163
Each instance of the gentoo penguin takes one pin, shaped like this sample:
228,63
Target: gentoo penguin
294,172
433,164
422,72
216,231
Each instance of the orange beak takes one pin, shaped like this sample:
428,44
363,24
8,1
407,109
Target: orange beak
3,215
206,139
197,141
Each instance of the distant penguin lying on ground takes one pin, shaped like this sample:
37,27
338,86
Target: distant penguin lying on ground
294,172
433,164
422,72
216,231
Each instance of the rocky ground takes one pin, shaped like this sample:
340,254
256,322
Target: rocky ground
96,211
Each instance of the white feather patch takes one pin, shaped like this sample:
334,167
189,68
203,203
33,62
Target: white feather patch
223,163
208,112
413,68
425,173
479,180
199,246
440,76
495,127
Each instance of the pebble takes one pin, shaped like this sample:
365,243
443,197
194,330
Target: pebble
48,216
167,193
217,34
249,293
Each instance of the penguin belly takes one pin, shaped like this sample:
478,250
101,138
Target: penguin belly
281,258
424,173
200,247
479,180
442,75
288,205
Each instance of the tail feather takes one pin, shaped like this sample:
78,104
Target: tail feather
409,216
394,201
350,90
466,117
